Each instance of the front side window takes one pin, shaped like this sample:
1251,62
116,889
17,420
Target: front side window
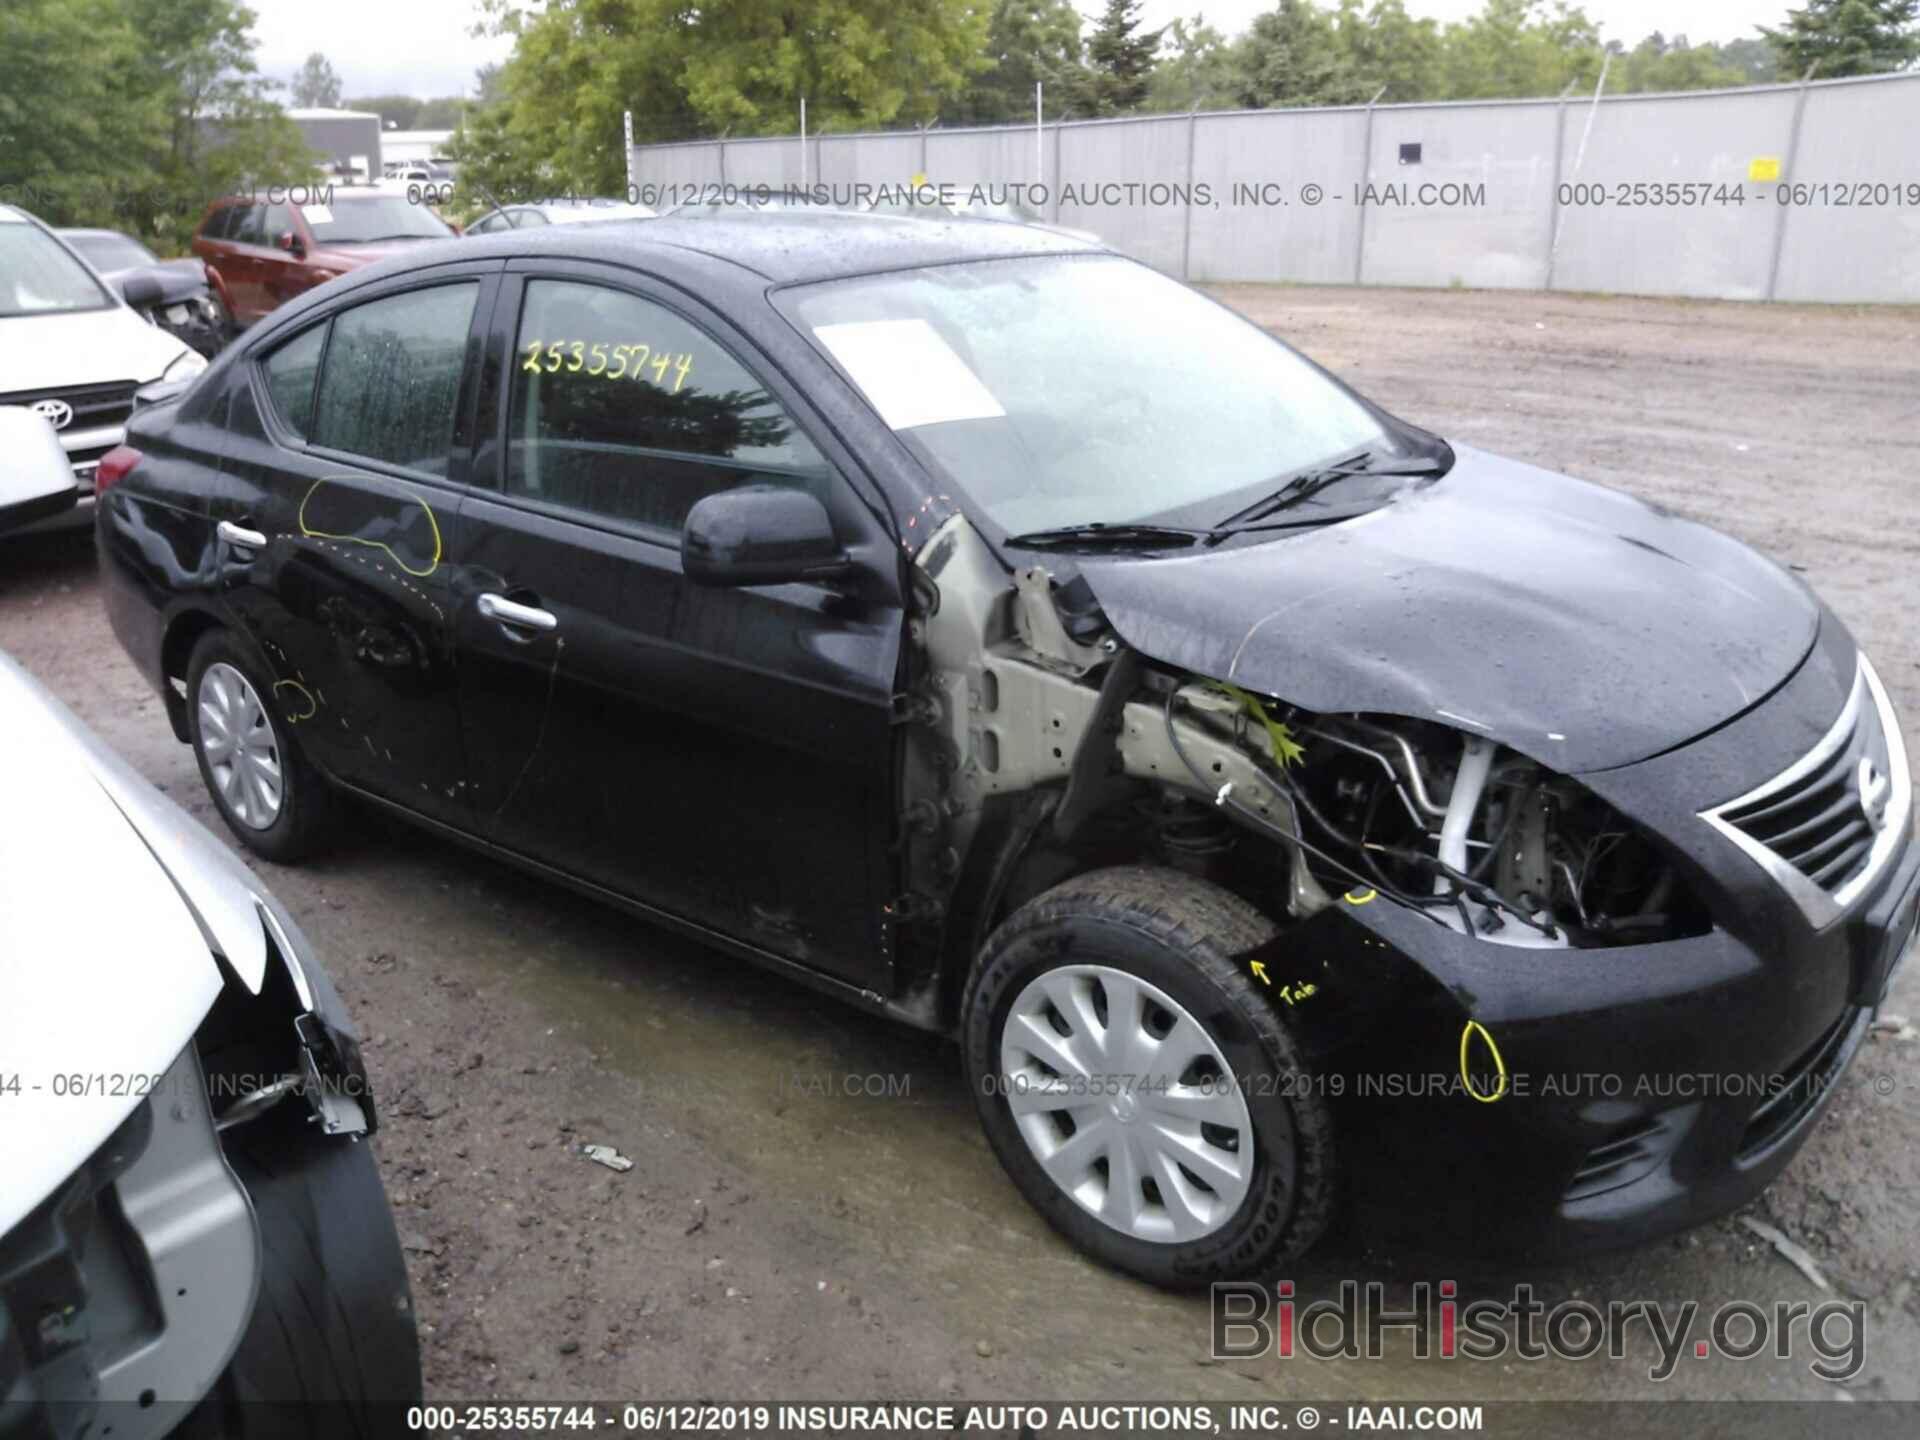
291,371
623,409
392,381
1071,390
40,276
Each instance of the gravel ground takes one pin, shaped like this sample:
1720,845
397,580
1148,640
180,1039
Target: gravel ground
812,1211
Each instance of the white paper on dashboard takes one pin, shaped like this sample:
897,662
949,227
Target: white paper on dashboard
317,214
909,373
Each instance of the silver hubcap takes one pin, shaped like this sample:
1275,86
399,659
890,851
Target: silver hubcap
237,739
1127,1103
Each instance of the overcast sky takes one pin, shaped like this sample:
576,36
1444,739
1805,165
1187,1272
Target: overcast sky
421,47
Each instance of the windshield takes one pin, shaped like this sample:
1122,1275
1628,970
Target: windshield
373,217
112,252
1077,390
39,277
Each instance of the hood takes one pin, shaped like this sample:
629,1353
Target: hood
178,279
352,257
112,904
1573,623
82,347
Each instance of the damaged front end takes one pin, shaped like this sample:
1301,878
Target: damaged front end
1037,735
1566,990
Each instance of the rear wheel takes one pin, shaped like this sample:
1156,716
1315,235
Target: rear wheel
1139,1088
272,799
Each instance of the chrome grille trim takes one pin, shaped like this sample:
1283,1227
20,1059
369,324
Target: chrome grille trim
1867,704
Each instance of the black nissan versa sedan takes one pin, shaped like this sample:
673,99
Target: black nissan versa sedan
1289,813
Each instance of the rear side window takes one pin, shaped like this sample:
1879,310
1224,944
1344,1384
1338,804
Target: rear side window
217,224
392,382
291,371
623,409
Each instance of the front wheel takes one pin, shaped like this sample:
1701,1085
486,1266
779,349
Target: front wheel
1138,1087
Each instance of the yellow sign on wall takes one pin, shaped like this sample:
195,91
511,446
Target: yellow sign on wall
1763,168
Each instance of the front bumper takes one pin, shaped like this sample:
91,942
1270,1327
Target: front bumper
1638,1090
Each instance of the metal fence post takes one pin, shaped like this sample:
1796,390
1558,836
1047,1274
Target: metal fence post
1793,153
1186,233
1553,199
1053,193
1366,174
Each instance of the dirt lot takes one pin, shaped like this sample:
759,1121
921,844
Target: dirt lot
786,1232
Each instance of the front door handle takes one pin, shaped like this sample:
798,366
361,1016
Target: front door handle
241,538
511,612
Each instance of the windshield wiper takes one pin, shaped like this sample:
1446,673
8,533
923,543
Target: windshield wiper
1308,483
1096,535
380,239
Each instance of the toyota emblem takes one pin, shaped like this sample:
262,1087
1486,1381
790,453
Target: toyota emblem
57,413
1875,791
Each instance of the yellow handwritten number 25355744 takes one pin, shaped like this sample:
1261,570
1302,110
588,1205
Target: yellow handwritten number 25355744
576,357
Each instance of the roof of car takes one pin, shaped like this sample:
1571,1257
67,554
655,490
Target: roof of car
791,246
88,233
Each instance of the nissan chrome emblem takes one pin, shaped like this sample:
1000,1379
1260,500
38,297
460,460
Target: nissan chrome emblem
1875,791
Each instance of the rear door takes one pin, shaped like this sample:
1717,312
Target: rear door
338,510
724,755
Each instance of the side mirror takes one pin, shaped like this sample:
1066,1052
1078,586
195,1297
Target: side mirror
760,535
288,241
37,480
141,290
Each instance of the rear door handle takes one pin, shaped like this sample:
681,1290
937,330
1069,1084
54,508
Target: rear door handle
511,612
241,538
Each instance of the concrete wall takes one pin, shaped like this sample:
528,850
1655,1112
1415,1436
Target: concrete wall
1526,194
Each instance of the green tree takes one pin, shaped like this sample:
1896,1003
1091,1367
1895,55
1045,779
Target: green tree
140,112
1195,71
315,85
1520,47
1291,56
737,66
62,115
1753,59
1120,60
1847,37
1657,63
1028,42
1383,46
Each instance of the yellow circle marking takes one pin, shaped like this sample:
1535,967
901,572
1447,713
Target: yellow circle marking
414,495
1355,897
313,706
1499,1065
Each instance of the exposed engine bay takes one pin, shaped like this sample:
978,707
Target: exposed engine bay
1025,689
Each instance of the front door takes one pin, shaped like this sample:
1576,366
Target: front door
724,755
337,521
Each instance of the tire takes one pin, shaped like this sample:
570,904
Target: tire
331,1349
1176,937
303,814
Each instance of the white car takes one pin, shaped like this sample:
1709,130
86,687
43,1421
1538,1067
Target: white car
557,212
193,1236
73,350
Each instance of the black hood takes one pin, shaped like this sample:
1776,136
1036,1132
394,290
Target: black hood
1576,624
179,280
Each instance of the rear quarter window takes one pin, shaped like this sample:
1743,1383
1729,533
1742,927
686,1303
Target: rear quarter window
291,372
